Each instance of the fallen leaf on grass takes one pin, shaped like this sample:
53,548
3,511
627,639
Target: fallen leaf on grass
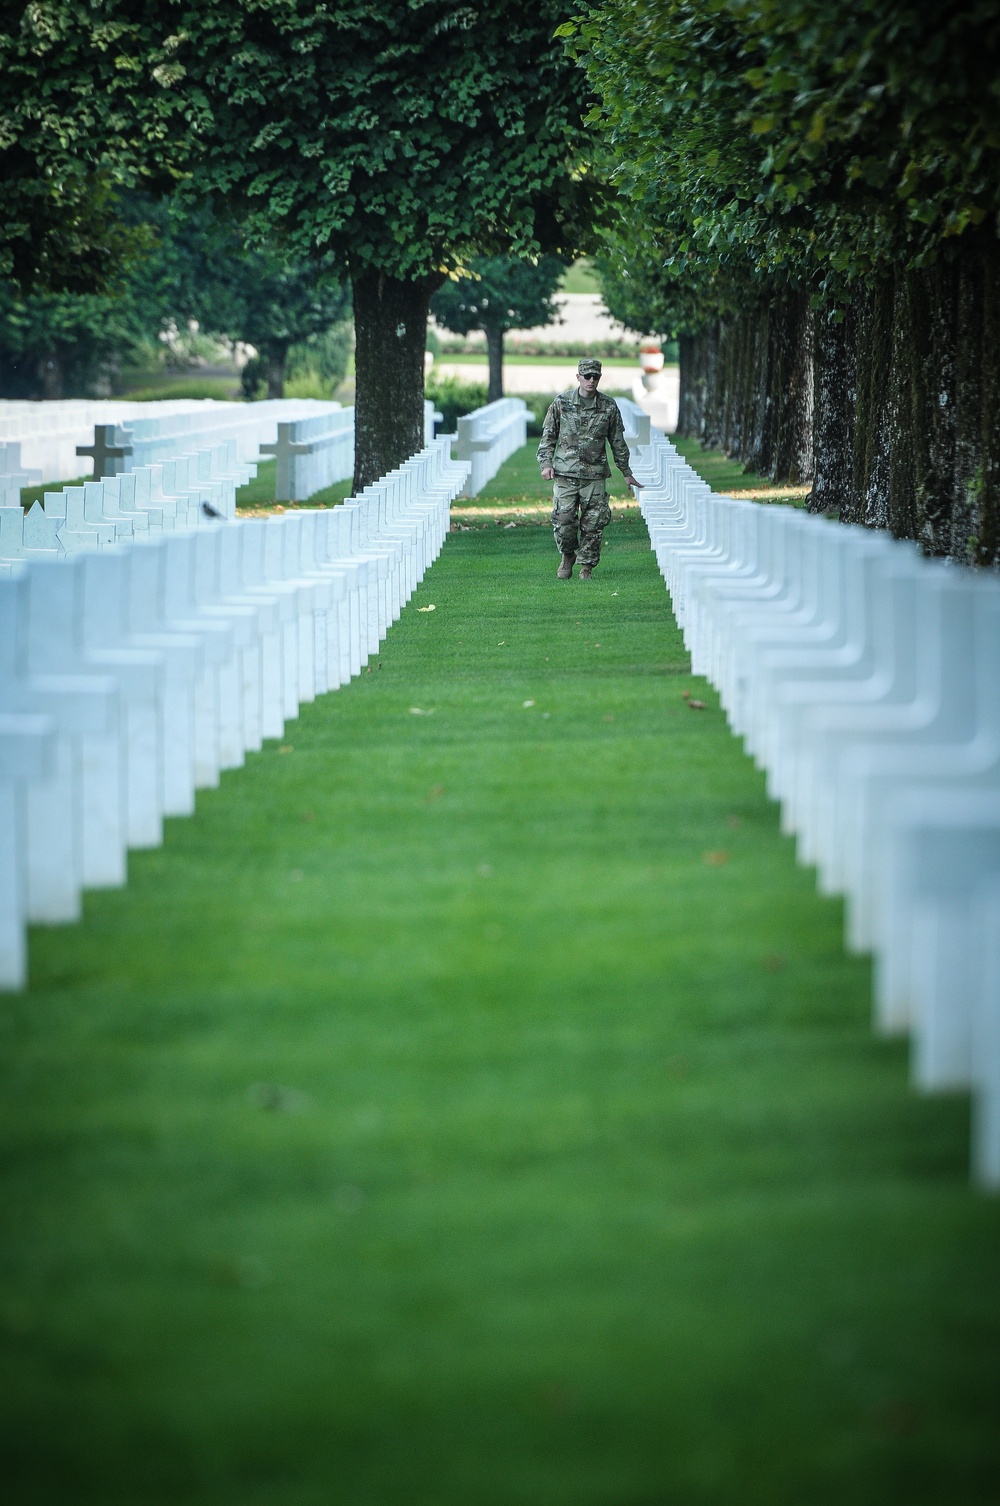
348,1198
502,643
899,1417
735,822
308,816
485,870
435,792
556,1398
526,704
277,1099
431,608
244,1271
609,718
286,748
419,711
696,705
715,859
510,525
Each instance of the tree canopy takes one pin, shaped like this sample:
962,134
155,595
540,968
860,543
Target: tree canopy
400,137
811,191
827,137
195,270
266,296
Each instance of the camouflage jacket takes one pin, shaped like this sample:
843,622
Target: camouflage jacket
575,436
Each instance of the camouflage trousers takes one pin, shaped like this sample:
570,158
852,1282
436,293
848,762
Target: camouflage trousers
580,514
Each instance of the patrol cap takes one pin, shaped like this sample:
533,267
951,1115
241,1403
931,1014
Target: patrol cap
588,367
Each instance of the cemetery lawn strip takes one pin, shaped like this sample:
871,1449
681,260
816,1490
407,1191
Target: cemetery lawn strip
473,1103
730,477
257,496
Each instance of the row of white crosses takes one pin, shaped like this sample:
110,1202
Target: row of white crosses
58,438
865,680
50,433
175,494
165,470
315,451
637,427
13,474
488,436
133,673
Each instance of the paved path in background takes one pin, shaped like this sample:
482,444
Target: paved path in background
540,378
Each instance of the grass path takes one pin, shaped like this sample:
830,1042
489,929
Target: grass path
733,479
476,1108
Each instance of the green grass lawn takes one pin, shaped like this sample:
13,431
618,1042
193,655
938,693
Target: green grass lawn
728,476
31,494
154,386
580,278
477,1108
256,494
259,492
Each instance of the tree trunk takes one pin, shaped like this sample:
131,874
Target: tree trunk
685,409
390,323
275,356
901,514
932,312
872,436
971,307
710,435
792,394
987,550
774,376
749,325
494,350
756,399
834,399
729,368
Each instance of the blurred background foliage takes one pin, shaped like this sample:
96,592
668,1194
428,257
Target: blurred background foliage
185,308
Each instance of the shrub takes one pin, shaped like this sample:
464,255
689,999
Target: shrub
252,382
309,384
317,366
221,388
453,398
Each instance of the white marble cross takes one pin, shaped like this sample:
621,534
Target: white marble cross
110,449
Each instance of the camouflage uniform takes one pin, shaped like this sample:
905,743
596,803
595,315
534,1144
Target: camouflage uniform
574,438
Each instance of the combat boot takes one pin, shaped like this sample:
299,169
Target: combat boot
566,567
586,572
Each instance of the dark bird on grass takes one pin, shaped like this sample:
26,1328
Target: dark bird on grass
211,512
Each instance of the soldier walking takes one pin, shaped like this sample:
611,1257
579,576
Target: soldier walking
579,425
